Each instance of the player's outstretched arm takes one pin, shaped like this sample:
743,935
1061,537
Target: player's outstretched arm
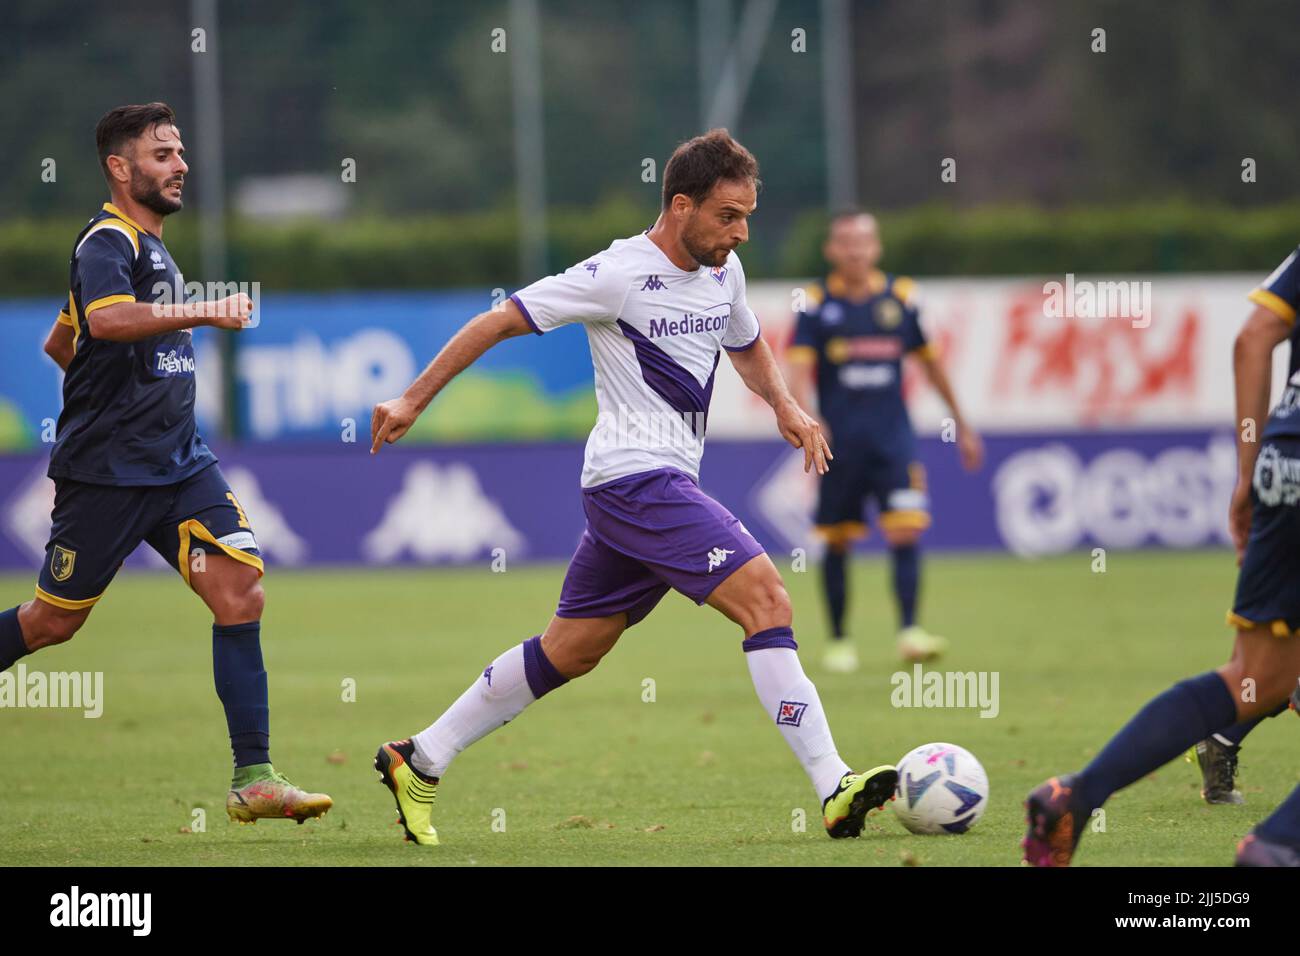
133,321
758,370
969,445
393,418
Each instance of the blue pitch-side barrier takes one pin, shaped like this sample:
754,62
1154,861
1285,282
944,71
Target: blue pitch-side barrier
315,360
316,503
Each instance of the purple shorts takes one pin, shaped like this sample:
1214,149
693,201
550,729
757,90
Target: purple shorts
647,533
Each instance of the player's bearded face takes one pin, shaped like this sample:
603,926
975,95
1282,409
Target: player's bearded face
703,247
157,170
156,191
717,226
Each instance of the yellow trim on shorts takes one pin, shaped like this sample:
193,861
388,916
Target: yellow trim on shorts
904,519
193,526
1279,627
65,603
842,532
1274,303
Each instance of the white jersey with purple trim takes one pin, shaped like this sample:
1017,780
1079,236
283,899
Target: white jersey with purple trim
656,334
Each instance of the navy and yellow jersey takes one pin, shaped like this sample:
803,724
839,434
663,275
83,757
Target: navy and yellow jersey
128,407
858,348
1280,294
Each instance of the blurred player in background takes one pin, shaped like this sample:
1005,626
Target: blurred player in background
849,344
128,464
659,309
1265,665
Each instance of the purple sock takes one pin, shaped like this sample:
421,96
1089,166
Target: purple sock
540,673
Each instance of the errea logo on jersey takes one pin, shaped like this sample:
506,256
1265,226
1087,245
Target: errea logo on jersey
156,258
717,556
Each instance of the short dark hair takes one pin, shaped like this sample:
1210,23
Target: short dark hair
122,124
697,165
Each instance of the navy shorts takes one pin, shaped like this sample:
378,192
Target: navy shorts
1268,586
647,533
97,526
896,483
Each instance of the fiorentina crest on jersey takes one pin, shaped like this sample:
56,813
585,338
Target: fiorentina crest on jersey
719,273
790,713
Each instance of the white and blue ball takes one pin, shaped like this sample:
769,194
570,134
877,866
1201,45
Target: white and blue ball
941,789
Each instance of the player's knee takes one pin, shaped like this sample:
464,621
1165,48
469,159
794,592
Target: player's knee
45,626
240,603
769,604
1257,687
902,537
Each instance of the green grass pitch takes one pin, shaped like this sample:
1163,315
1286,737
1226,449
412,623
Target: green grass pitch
594,774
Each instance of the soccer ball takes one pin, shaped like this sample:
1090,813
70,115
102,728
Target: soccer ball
941,789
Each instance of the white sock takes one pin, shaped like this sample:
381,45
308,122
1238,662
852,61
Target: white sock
791,700
492,701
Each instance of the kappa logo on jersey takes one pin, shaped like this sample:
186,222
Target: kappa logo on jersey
790,713
653,284
717,556
719,273
591,267
156,258
61,563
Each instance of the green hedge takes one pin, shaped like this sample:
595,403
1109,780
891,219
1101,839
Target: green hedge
480,250
1169,237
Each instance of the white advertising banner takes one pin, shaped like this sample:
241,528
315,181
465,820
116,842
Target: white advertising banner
1051,354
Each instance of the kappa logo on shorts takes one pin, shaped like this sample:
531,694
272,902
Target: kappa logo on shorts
790,713
717,556
61,563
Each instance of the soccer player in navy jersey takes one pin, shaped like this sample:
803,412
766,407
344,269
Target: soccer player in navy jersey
1262,673
1276,300
128,464
848,347
659,309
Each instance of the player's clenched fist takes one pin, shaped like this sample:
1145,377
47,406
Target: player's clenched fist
232,312
391,421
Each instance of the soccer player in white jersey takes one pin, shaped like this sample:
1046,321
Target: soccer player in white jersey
659,309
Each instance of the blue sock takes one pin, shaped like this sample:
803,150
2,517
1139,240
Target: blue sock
1283,824
1237,733
1184,714
835,583
12,646
241,685
907,581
